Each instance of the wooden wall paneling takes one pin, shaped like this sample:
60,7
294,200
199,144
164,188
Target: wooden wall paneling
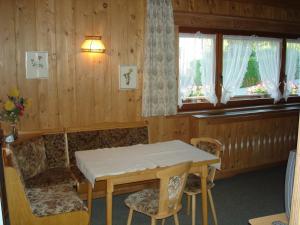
169,128
119,48
135,42
65,46
247,9
102,84
46,41
249,144
8,76
26,41
85,77
210,21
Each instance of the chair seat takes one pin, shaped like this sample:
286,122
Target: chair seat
51,177
193,184
54,200
145,201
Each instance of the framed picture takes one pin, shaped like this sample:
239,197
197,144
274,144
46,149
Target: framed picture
127,77
36,65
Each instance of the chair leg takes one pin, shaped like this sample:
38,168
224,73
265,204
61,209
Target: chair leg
163,221
153,221
188,203
129,217
193,209
212,206
176,219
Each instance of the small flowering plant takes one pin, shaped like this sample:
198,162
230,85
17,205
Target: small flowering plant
258,89
294,88
14,107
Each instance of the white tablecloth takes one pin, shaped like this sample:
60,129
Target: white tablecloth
114,161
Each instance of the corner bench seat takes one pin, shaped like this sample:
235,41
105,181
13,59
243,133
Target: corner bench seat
53,200
60,163
51,177
49,185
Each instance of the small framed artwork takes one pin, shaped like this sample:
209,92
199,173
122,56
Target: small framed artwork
36,65
127,77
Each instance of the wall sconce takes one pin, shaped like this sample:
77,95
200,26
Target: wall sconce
93,44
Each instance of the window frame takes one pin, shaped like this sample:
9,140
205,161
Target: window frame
190,106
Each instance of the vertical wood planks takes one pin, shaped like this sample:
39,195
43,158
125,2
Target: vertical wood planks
46,41
8,70
26,40
250,143
65,54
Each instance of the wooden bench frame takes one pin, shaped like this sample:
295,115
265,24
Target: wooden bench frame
20,212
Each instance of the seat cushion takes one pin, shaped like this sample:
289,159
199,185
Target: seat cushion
78,174
54,200
145,201
31,157
193,184
51,177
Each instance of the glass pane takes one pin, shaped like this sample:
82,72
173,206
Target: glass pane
293,68
251,83
193,54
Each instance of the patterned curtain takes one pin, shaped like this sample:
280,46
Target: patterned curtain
160,86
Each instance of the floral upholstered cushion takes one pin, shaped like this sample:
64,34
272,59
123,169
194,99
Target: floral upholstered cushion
78,174
87,140
55,150
54,200
31,157
193,184
174,189
145,201
50,177
207,146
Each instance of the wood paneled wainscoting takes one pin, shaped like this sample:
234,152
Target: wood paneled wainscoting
250,141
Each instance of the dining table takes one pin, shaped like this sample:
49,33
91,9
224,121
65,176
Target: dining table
120,165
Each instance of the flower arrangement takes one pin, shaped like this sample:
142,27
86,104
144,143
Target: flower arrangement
258,89
294,88
14,107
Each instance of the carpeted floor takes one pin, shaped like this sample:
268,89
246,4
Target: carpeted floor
237,199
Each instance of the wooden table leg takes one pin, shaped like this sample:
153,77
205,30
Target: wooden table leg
89,200
204,194
109,191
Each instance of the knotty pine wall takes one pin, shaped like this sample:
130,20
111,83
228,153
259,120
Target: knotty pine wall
82,89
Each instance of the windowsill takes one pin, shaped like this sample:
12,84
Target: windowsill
247,111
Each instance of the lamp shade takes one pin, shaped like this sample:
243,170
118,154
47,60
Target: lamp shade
93,44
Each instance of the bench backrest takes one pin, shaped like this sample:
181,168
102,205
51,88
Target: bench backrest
87,140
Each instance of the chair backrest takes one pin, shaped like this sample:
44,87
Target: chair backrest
172,183
212,146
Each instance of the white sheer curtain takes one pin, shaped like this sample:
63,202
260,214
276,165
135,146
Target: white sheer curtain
159,81
292,56
268,53
195,48
236,53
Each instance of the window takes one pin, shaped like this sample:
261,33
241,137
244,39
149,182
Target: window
251,67
234,69
292,69
197,68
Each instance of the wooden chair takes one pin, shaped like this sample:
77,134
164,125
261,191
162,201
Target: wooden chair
193,186
165,201
20,212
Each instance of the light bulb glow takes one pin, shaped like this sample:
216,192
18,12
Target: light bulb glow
93,44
